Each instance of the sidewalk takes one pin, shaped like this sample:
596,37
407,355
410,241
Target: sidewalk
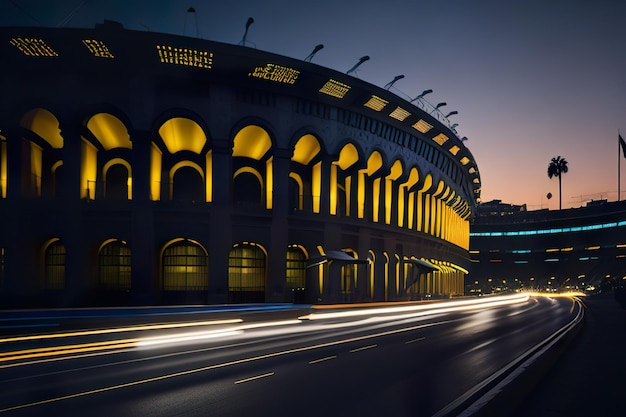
589,379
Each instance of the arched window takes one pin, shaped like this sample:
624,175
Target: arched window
185,267
54,269
295,268
246,273
114,272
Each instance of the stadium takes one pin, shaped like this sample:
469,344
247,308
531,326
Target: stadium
139,168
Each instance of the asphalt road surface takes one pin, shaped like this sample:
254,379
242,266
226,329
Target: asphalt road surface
335,362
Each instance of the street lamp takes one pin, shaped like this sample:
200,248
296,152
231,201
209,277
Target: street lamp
245,33
361,60
390,83
422,95
452,113
315,50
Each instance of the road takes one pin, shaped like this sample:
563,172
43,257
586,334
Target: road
410,360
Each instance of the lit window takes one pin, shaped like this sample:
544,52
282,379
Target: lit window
399,114
335,88
114,267
422,126
454,150
33,47
376,103
184,56
440,139
98,48
185,267
465,160
276,73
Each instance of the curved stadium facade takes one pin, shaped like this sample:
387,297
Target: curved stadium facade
141,168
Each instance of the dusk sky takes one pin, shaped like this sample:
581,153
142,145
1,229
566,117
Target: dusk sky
530,80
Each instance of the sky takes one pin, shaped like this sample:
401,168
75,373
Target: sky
530,79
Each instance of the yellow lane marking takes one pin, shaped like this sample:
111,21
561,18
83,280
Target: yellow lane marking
363,348
327,358
252,378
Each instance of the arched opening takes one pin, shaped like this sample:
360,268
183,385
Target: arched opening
114,273
188,185
295,272
116,183
247,187
54,266
251,155
43,151
247,274
305,173
185,272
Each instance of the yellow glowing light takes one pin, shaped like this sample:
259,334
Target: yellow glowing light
335,88
454,150
376,103
276,73
88,170
440,139
98,48
156,162
348,156
422,126
209,176
269,182
36,155
316,186
465,160
252,142
306,149
45,125
109,131
3,167
182,134
33,47
399,114
596,247
184,56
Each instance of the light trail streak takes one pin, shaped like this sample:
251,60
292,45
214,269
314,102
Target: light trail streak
446,307
219,365
119,330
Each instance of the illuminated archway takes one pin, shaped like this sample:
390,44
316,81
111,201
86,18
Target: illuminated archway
295,268
341,181
114,266
182,134
185,266
44,150
247,273
117,176
305,174
251,146
187,182
109,131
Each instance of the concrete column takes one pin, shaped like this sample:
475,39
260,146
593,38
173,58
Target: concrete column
78,277
144,262
276,290
220,223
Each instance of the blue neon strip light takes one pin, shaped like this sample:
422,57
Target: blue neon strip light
548,231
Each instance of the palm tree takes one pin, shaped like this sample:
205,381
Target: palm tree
557,167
